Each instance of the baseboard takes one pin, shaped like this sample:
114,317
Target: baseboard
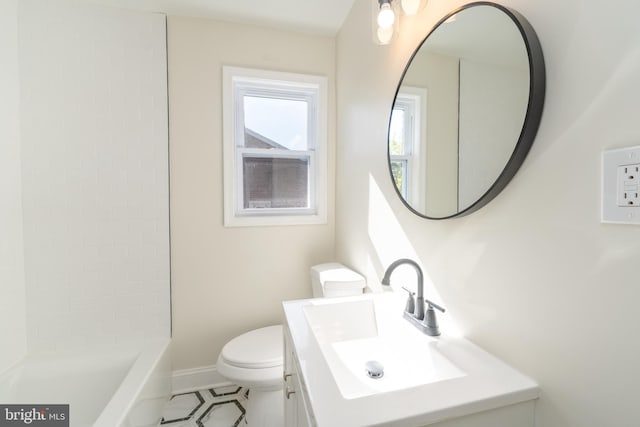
186,380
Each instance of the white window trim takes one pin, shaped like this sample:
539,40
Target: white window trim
232,172
415,101
407,104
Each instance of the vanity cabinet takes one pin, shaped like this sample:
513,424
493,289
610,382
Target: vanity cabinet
297,412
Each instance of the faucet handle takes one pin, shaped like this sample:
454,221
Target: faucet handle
408,290
431,304
430,322
411,304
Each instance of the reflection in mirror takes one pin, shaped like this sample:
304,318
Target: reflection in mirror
466,111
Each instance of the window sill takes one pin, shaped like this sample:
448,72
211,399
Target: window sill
279,220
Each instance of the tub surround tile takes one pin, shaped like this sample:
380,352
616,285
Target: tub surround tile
219,406
94,178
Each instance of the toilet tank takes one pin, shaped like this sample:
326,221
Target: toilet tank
335,280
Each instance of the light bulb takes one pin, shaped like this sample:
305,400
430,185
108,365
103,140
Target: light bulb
410,7
386,16
384,35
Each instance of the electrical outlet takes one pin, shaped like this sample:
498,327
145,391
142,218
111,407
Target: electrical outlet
628,185
621,185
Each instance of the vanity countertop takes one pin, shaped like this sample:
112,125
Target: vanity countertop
486,382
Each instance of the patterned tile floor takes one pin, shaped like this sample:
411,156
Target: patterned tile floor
215,407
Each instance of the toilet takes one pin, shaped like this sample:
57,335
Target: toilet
255,359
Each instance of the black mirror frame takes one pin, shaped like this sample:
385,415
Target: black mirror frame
537,88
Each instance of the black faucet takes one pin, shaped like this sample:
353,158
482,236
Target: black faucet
427,324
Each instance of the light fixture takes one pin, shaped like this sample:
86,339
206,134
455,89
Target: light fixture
385,20
410,7
384,35
386,16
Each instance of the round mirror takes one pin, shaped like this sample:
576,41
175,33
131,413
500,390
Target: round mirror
466,111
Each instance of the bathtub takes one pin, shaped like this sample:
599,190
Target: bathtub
104,387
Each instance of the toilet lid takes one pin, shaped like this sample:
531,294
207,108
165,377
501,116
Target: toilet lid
260,348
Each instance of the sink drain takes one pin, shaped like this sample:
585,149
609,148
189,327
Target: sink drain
374,369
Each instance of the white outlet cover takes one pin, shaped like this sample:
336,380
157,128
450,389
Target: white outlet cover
627,185
611,161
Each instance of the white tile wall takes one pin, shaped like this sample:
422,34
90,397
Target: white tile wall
95,173
12,287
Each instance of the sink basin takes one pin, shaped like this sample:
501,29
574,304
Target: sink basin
341,321
354,333
418,380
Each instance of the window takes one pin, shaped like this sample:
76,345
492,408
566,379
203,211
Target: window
406,131
274,147
400,144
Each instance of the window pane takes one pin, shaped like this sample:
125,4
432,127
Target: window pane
275,183
275,123
396,132
399,172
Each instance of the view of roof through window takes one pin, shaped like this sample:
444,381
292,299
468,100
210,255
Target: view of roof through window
282,121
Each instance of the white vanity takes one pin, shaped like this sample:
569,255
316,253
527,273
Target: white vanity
424,381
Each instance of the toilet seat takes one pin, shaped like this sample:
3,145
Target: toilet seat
257,349
254,359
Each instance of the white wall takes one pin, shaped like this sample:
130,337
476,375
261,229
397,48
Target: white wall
487,140
94,173
226,281
534,276
12,286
